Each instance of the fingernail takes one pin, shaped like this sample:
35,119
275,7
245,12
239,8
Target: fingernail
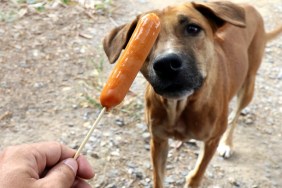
72,163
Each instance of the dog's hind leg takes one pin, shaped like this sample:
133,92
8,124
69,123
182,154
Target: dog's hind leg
245,94
159,151
244,97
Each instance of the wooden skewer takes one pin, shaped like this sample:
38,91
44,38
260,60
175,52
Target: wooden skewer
89,134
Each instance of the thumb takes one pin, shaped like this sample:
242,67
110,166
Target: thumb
62,175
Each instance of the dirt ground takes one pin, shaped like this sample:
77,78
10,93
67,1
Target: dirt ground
52,68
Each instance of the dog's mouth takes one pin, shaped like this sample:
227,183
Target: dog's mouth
178,87
173,91
173,88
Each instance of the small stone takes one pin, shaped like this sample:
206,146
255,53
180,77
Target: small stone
74,146
192,142
234,182
169,166
114,173
146,137
143,1
23,64
169,179
279,76
147,147
108,134
119,122
139,175
245,111
75,106
147,164
210,175
148,180
180,181
103,143
130,164
87,124
196,153
142,127
130,171
35,53
145,184
112,185
93,139
115,153
88,146
94,155
100,184
86,115
38,85
268,50
249,121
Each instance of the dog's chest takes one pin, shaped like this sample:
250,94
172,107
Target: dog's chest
183,123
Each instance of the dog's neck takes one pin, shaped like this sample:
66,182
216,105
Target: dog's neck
174,107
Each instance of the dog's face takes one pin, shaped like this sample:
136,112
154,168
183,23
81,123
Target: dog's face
183,52
177,64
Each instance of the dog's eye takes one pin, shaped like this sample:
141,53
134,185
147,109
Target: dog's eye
193,29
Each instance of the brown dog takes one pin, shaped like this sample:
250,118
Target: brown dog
205,54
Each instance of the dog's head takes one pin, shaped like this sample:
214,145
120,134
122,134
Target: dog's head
184,50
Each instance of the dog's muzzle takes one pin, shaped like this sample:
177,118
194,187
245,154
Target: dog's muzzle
175,75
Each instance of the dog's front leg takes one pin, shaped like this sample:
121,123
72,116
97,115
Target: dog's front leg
194,178
159,151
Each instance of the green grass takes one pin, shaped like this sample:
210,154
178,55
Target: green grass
92,102
95,81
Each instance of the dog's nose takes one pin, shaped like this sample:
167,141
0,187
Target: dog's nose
167,65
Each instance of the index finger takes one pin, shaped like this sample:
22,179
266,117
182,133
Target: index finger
48,154
54,152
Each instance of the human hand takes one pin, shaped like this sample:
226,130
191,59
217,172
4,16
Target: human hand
45,164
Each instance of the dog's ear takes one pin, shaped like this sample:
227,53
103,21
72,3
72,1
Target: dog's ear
221,12
117,40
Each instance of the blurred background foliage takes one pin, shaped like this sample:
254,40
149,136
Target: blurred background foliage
11,10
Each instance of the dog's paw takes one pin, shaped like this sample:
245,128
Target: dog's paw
192,180
224,150
191,186
187,186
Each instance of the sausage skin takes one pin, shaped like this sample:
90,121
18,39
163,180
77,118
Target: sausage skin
130,61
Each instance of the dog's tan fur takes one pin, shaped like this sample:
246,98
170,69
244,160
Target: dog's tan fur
228,54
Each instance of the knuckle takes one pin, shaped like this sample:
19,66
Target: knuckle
56,145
